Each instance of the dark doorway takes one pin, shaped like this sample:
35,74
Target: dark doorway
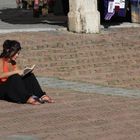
65,4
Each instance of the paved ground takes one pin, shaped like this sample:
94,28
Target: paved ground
78,115
83,109
74,116
110,58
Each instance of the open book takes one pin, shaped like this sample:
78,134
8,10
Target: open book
28,70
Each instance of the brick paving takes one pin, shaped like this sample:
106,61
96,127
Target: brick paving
74,116
110,58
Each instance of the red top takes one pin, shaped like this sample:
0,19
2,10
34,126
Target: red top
6,69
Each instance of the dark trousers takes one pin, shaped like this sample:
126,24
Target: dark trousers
18,89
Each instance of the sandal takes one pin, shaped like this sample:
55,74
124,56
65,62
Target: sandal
46,99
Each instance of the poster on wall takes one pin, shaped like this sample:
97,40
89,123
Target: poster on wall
114,6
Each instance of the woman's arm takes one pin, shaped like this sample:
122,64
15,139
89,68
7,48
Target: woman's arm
7,74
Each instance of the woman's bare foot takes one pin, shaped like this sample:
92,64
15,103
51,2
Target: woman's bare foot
33,101
47,99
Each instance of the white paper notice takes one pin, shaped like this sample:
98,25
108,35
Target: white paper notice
111,7
120,3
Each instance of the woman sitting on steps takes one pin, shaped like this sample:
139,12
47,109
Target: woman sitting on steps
13,86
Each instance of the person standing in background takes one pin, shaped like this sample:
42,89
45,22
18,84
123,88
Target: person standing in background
19,3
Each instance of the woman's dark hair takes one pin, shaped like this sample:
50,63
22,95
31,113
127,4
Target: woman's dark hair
10,48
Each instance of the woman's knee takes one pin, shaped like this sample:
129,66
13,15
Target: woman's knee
29,76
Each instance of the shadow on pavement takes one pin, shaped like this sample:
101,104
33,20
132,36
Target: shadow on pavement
21,16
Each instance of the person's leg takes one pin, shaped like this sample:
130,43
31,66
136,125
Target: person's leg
16,90
18,2
2,91
36,8
24,4
33,86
